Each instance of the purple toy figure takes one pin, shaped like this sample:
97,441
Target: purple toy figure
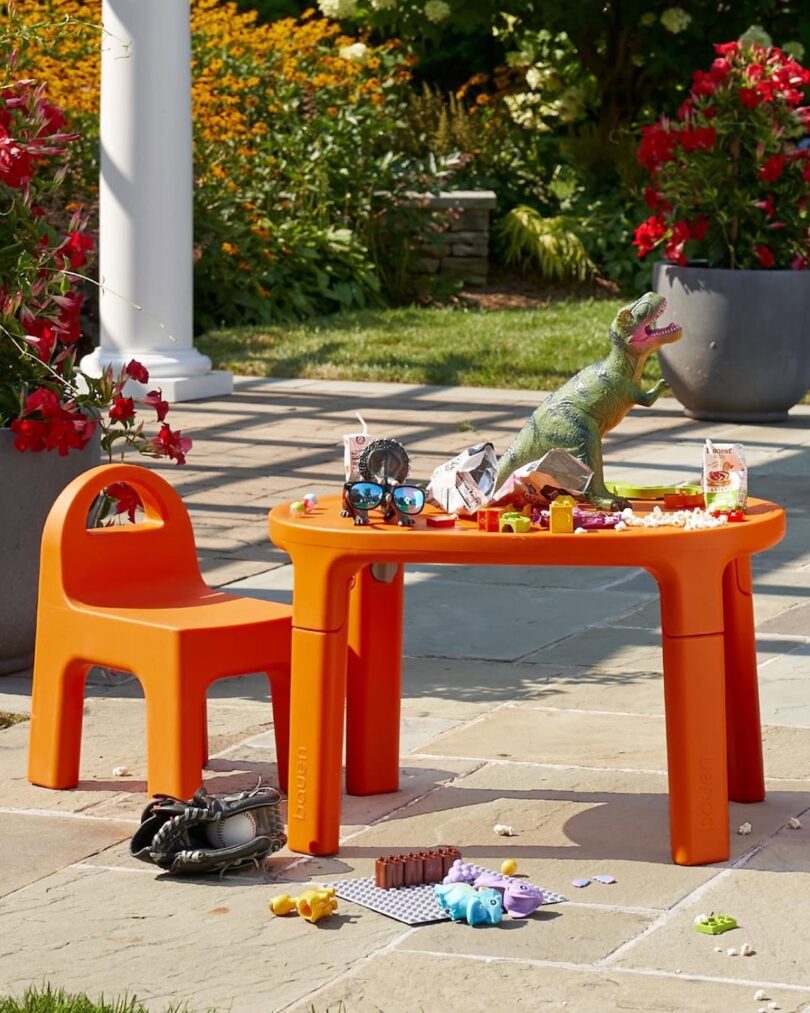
519,899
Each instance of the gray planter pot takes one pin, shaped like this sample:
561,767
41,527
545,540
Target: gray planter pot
29,485
745,351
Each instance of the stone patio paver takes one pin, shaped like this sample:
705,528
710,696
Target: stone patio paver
542,709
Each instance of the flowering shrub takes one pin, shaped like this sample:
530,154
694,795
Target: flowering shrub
292,121
46,402
730,176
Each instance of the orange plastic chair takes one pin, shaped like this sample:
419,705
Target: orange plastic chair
131,597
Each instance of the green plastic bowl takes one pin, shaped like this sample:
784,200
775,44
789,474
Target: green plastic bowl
651,491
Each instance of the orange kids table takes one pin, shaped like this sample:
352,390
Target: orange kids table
347,649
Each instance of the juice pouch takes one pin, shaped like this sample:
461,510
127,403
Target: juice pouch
353,446
725,476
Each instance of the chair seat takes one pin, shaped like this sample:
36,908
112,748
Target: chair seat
207,610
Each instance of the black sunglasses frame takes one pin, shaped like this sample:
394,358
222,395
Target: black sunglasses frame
387,503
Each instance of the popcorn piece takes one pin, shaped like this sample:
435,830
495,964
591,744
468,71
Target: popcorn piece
120,771
504,830
732,951
774,1005
760,994
701,919
795,823
744,828
747,950
580,531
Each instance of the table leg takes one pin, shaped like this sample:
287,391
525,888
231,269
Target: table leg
746,780
694,691
317,700
374,681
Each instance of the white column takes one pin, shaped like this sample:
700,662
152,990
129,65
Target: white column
145,200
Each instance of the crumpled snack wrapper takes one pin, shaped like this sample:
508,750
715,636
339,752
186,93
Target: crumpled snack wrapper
554,472
725,476
465,484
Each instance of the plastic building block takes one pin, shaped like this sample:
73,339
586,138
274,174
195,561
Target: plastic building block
311,905
581,883
413,905
463,902
715,924
684,500
606,879
516,523
489,518
561,515
392,871
441,520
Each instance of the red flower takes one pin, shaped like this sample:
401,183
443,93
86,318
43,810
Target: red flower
136,371
685,109
171,444
16,165
154,399
720,69
703,83
765,256
726,48
698,138
772,169
29,434
655,200
699,228
767,205
749,97
126,499
123,409
76,247
649,234
657,146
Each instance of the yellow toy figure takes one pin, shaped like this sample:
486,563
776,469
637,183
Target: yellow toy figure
312,905
561,515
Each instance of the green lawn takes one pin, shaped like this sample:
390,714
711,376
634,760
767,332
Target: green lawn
7,719
519,348
51,1000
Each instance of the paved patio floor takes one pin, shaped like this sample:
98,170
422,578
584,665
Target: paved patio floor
531,697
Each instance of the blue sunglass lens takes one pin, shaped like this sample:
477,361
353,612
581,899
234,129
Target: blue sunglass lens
408,499
365,495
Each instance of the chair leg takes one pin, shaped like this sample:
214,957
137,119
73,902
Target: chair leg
174,736
57,703
280,695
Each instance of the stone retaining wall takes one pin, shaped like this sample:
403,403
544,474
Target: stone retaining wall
462,250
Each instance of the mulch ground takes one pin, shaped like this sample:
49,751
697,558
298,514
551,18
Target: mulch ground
506,290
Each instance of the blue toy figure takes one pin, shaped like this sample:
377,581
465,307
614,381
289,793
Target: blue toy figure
463,903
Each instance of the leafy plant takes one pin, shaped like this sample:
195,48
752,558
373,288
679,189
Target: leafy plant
293,121
46,401
56,1000
730,177
527,239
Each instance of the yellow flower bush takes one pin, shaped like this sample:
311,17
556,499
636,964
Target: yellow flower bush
291,121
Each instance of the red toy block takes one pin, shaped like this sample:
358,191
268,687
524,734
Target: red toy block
489,518
415,868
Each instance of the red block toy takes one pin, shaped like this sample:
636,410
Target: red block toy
489,518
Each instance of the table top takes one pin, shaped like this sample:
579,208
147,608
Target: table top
325,529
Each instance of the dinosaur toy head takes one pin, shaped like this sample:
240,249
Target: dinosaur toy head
632,328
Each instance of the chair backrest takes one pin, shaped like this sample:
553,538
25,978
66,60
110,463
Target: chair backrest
127,565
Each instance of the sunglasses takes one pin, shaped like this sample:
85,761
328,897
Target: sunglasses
407,499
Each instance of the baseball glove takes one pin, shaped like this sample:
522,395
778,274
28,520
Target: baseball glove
209,833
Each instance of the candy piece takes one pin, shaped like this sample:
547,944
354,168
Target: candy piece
298,507
580,882
606,879
504,830
509,867
310,497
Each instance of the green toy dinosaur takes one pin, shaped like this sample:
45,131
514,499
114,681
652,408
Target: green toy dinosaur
577,416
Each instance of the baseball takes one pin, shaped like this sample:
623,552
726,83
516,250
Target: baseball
236,829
